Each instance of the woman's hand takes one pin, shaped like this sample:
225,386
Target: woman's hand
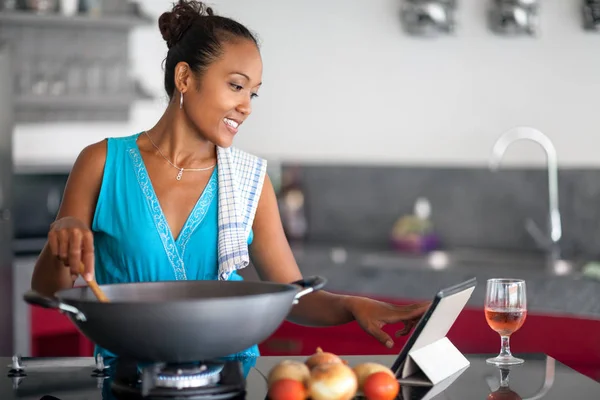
274,261
72,242
373,315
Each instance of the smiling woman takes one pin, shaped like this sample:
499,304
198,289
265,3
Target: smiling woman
178,201
221,95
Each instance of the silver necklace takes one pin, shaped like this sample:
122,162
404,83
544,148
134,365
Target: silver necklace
175,166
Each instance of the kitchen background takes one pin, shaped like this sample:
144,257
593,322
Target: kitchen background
365,118
341,74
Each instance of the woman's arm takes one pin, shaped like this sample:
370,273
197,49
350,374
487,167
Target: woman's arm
70,234
274,261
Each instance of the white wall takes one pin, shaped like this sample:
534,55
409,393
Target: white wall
343,83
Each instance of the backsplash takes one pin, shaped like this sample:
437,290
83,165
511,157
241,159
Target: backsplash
471,207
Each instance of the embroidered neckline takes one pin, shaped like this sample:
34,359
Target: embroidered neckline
198,213
174,249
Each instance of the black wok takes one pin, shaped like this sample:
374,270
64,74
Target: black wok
179,321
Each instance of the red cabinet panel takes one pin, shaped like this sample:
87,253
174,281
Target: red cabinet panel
54,335
573,341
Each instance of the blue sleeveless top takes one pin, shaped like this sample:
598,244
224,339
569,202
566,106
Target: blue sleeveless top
132,239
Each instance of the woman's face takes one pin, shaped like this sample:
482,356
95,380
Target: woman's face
220,101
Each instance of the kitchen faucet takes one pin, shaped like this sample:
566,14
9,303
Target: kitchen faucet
551,241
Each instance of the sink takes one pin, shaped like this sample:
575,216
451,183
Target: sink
467,260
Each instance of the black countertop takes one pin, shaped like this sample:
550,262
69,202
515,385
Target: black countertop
539,374
384,273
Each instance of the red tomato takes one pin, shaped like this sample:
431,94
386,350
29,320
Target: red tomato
381,386
287,389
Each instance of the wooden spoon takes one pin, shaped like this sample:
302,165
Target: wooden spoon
94,286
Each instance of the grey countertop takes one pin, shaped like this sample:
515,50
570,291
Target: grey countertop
387,274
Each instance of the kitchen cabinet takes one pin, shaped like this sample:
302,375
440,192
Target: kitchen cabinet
53,335
61,75
579,346
40,332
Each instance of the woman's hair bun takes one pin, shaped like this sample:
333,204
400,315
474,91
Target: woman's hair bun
173,24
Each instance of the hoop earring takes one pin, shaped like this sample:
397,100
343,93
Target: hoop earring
181,100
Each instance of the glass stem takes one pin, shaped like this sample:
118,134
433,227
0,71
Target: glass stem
504,377
505,349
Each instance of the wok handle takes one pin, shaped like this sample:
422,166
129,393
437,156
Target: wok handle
309,285
35,298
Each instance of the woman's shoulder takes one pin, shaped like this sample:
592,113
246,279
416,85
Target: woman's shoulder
130,138
93,159
92,156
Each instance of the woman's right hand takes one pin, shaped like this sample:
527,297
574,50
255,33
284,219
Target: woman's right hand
72,242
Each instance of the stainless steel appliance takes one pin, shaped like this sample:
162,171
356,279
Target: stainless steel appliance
6,173
37,194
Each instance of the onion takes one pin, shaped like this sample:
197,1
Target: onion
321,357
363,370
333,381
289,369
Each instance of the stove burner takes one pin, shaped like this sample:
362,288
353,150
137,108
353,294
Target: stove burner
210,380
188,376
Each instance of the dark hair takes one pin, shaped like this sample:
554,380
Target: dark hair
195,35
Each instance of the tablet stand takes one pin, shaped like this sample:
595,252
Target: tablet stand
428,356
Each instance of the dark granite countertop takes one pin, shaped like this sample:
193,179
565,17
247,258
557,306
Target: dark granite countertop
386,274
539,375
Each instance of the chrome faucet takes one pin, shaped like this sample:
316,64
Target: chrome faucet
551,241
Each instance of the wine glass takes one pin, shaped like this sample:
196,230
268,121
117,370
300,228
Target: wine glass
505,312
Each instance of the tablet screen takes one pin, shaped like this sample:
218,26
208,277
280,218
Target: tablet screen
436,322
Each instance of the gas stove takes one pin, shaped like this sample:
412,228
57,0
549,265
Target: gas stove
94,379
121,379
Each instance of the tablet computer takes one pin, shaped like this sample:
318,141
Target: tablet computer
433,327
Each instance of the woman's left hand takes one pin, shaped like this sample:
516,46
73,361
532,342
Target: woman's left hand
373,315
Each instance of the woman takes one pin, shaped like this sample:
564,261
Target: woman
147,207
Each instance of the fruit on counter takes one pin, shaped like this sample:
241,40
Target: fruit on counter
381,386
363,371
325,376
287,389
332,381
289,369
322,357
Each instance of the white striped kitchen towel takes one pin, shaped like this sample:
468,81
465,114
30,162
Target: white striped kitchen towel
241,177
